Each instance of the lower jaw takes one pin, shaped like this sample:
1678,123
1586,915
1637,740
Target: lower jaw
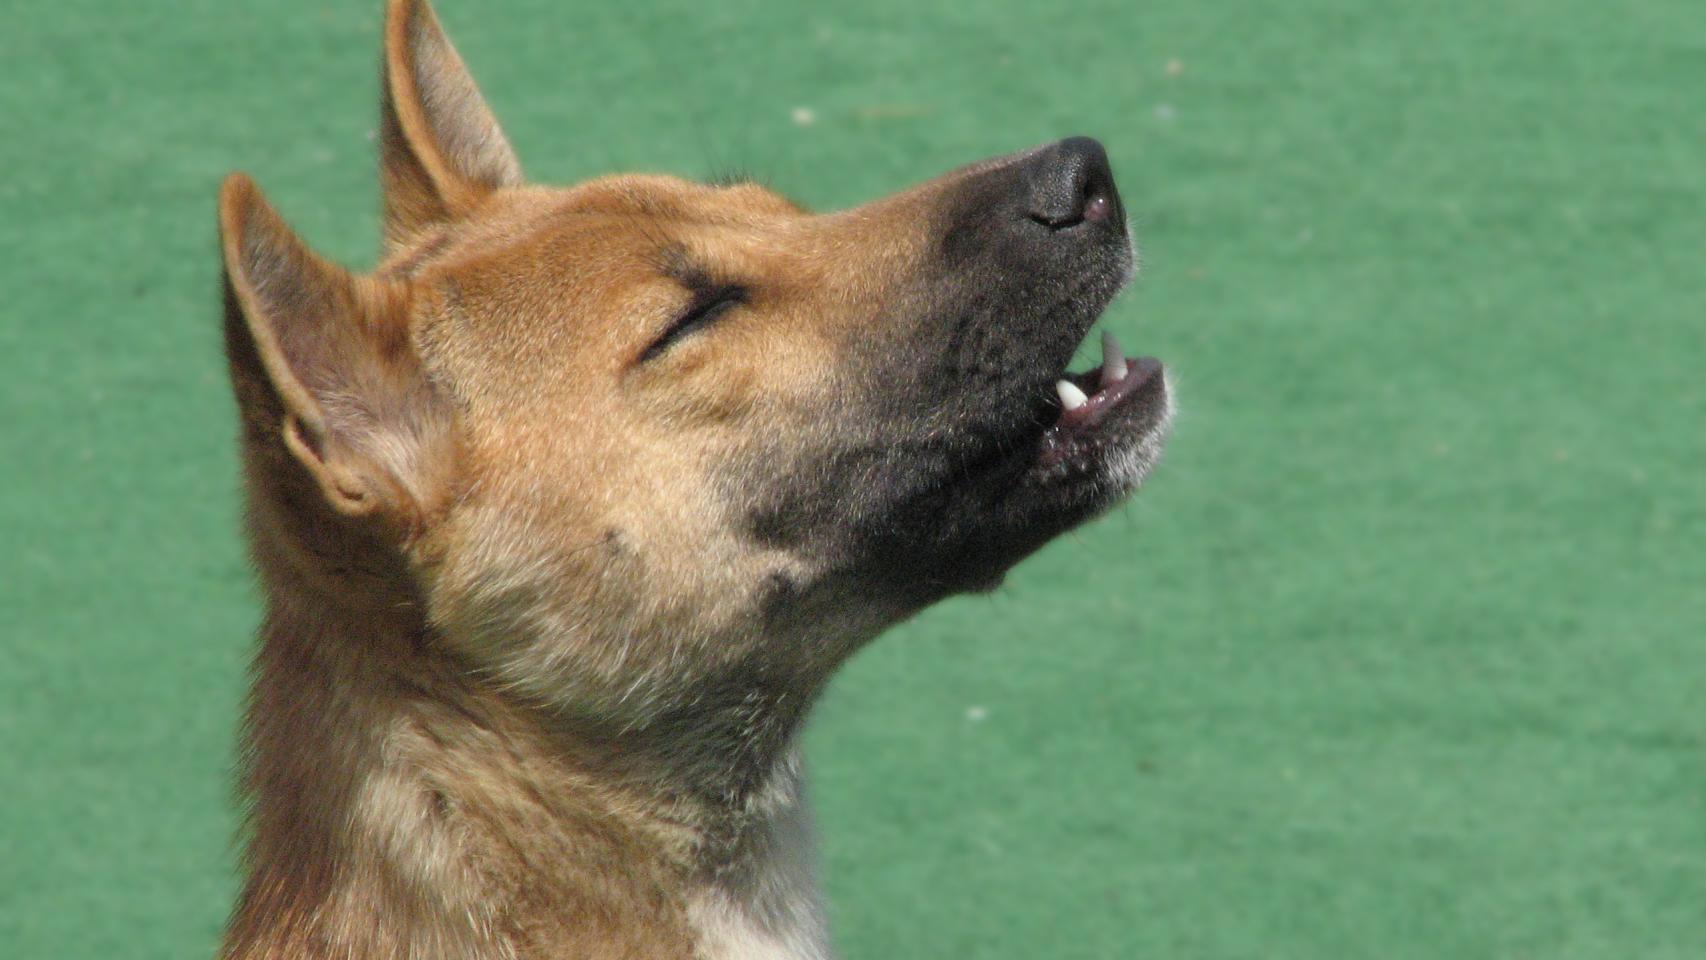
1119,415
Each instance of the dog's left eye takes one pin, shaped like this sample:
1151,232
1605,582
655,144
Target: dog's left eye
708,305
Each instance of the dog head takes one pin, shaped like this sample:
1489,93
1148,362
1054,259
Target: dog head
627,441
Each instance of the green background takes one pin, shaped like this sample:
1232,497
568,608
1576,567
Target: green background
1399,655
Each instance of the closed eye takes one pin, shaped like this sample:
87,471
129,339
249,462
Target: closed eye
709,303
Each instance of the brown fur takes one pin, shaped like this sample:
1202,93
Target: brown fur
528,680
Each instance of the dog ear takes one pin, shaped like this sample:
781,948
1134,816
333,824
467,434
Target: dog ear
326,362
441,150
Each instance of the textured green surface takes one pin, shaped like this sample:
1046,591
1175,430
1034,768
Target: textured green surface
1400,655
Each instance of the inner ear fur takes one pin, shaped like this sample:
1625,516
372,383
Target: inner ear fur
441,150
347,395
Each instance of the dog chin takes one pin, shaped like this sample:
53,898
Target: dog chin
1114,453
1078,477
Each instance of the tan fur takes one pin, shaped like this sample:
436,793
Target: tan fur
517,695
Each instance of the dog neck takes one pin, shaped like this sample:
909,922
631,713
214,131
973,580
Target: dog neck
401,806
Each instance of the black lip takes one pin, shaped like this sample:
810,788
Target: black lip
1103,399
1108,409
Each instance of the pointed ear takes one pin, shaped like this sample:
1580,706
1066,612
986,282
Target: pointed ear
441,151
347,395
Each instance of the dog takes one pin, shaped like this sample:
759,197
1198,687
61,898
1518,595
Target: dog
566,512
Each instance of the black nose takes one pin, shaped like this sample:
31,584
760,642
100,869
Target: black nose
1069,183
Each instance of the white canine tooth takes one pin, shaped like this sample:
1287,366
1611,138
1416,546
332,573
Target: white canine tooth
1070,396
1113,360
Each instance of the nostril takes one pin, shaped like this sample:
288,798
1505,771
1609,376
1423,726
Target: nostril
1071,184
1090,206
1096,207
1056,223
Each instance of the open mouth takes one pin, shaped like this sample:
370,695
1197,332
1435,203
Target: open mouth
1097,398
